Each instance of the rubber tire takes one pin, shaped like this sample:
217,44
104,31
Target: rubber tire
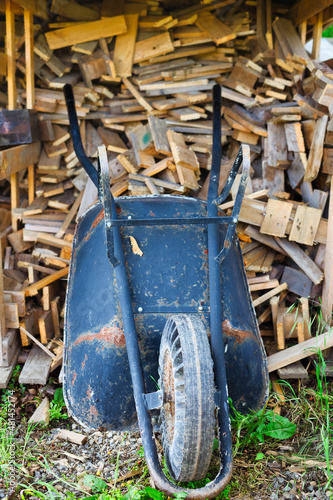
188,413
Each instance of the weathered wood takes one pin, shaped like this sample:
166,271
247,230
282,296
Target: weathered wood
316,150
305,225
277,217
71,436
17,158
301,259
270,294
297,281
327,296
42,413
37,367
300,351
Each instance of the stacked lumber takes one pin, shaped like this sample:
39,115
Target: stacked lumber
142,77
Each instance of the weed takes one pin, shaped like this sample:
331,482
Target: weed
58,409
253,428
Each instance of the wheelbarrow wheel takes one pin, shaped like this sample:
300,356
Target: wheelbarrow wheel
188,411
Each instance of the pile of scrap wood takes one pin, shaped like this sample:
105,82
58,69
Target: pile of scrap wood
142,78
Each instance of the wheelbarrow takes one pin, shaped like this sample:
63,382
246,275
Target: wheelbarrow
171,331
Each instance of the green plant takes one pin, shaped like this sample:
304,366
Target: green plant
254,427
57,406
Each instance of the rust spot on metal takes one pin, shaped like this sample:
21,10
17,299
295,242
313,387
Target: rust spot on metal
206,251
84,361
93,411
112,335
74,378
98,219
89,393
238,335
118,209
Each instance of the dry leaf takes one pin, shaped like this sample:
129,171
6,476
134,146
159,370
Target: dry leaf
135,247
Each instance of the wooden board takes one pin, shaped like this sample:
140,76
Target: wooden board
125,47
299,351
36,369
277,217
316,150
17,158
152,47
305,225
215,29
86,32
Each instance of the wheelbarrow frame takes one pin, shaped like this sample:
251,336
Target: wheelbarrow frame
145,402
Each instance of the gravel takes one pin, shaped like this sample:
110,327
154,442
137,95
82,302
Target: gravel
105,451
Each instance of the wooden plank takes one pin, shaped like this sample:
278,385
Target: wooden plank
33,289
316,150
327,295
125,47
153,47
36,369
252,212
277,144
305,225
86,32
301,259
215,29
269,295
277,217
294,137
300,351
10,348
45,324
17,158
297,281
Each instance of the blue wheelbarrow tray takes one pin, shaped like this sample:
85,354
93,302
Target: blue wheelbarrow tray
170,277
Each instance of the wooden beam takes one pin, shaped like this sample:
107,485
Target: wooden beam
317,34
11,56
303,9
30,86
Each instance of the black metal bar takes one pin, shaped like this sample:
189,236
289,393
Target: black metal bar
172,222
107,201
216,151
76,137
215,295
242,156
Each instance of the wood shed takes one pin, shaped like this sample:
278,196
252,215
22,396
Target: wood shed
142,74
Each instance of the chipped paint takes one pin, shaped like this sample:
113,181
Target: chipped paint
93,411
239,335
112,335
74,378
84,361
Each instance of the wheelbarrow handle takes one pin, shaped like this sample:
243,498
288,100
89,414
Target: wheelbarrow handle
243,156
76,136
